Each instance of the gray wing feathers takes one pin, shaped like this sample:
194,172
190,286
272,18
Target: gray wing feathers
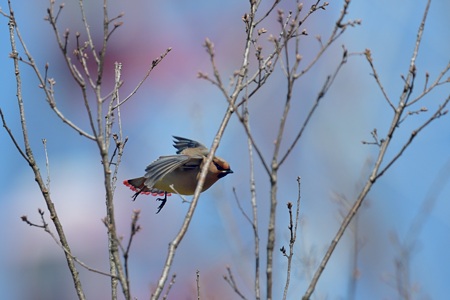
181,143
166,164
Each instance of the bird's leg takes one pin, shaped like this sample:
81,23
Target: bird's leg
163,202
136,194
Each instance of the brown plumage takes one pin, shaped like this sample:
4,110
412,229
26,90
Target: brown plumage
181,170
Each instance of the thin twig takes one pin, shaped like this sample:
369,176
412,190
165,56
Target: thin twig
11,136
376,140
252,140
269,11
171,283
326,86
293,236
48,91
441,111
230,280
88,31
183,199
253,203
440,80
198,284
47,229
241,209
377,78
135,228
47,164
154,64
119,140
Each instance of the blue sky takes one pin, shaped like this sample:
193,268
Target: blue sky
330,158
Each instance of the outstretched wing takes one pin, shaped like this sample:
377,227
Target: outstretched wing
181,144
166,164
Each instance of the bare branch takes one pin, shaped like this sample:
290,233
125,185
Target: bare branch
326,86
11,136
171,283
439,113
376,173
245,118
440,80
293,224
231,103
275,3
135,228
154,64
29,157
198,284
48,91
47,229
47,163
376,141
230,280
246,125
369,58
240,207
187,220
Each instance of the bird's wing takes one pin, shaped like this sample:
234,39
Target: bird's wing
166,164
181,144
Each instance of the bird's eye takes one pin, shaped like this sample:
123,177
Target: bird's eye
219,167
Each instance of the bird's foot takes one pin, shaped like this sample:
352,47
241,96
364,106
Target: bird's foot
163,202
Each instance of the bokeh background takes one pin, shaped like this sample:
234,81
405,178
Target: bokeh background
331,159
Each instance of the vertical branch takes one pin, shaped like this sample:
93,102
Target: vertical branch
290,29
190,213
198,284
135,228
101,59
118,138
376,172
101,121
171,283
230,110
104,125
103,142
230,280
293,237
275,164
29,157
254,221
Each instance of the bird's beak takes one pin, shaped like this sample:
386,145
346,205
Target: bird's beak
224,173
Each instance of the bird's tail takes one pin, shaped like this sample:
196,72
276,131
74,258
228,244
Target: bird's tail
138,185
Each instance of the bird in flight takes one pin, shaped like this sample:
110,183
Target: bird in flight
180,171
